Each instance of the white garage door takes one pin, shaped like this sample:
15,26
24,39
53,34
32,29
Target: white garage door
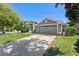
48,29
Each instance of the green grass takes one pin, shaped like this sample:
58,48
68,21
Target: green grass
62,45
11,37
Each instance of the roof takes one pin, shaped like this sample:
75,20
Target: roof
29,22
52,21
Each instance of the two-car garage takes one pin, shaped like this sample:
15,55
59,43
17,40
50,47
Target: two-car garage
51,29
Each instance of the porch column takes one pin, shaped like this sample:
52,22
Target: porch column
61,29
57,28
39,29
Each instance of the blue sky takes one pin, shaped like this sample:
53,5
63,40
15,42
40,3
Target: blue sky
38,11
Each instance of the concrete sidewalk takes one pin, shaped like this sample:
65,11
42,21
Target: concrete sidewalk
34,45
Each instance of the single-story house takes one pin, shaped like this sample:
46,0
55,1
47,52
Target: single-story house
46,26
29,25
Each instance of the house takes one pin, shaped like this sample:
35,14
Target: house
29,25
47,26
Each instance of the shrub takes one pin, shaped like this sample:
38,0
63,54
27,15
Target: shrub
53,51
70,30
18,27
23,30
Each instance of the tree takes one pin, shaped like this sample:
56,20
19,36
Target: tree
18,27
72,12
70,30
8,18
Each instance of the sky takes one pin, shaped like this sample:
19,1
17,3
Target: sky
38,11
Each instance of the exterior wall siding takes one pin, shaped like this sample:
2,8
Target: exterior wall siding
60,29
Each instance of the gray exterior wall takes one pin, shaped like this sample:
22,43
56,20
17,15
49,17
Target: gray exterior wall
60,28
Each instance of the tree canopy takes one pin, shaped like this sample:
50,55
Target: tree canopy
8,17
72,12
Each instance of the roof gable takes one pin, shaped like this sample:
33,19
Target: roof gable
47,21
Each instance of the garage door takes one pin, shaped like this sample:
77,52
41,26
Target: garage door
48,29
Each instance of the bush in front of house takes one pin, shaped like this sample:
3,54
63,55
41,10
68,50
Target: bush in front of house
23,30
18,27
70,30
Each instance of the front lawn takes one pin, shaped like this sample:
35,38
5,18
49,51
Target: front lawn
62,45
11,37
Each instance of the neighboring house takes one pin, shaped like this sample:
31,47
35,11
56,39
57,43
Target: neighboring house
47,26
29,25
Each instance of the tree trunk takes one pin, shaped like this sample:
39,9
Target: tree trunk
3,31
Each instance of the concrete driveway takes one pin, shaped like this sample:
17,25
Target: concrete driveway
34,45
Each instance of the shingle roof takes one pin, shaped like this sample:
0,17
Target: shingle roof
54,20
